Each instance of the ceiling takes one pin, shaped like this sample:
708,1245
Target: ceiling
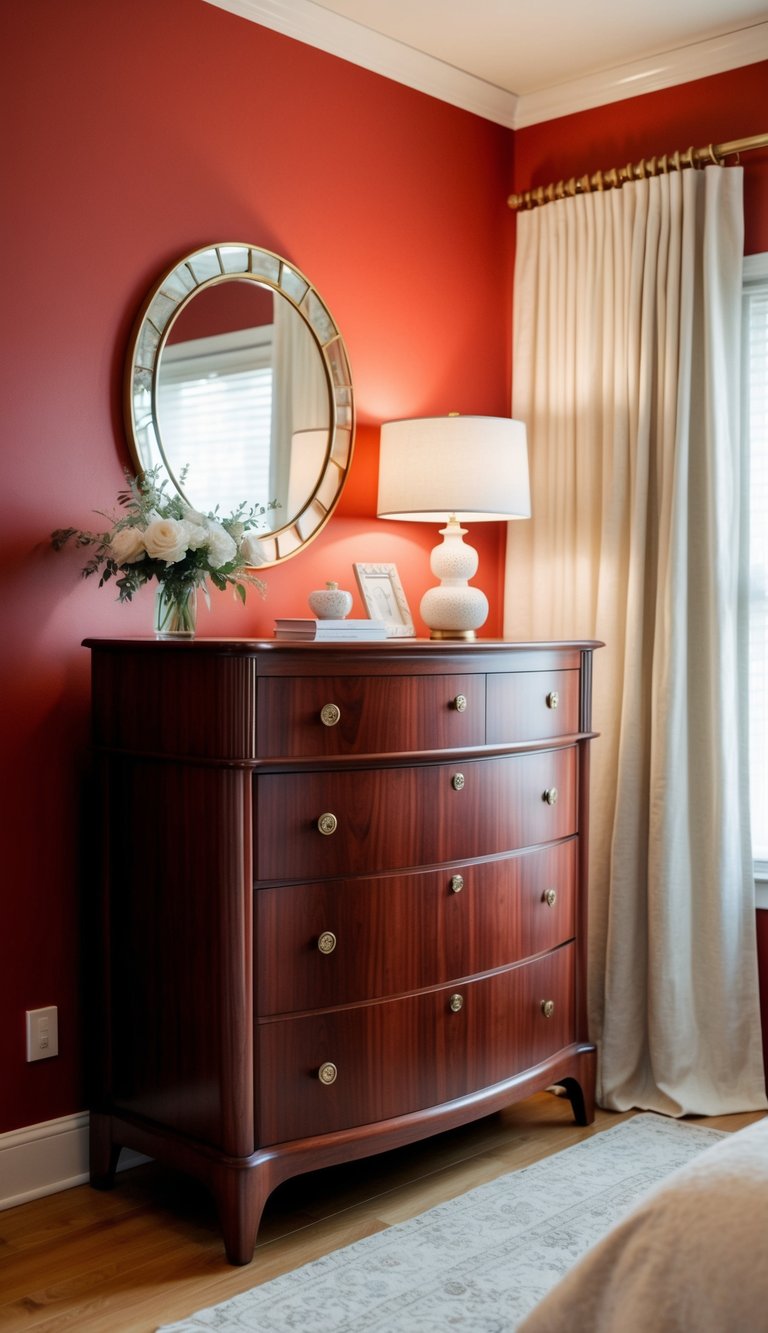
518,61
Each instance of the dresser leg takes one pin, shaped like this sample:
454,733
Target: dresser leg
582,1099
103,1153
240,1198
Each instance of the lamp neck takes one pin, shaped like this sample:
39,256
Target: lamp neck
452,528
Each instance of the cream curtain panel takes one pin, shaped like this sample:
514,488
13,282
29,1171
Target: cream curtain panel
299,402
627,372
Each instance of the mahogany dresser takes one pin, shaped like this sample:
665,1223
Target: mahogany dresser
343,899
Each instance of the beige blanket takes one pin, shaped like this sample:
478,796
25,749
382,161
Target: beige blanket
690,1258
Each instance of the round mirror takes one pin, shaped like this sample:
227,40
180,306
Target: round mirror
238,388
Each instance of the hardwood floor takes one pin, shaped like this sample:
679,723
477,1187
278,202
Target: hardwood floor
149,1252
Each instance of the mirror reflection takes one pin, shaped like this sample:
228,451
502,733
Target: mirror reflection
242,400
238,374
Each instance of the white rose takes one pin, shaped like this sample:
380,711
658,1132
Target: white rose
252,550
127,546
221,547
197,533
166,539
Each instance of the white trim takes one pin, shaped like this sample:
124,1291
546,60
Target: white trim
732,50
307,22
46,1158
755,268
343,37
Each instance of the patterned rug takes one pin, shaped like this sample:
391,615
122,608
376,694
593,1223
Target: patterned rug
478,1263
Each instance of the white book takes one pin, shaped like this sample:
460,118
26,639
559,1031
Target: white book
330,635
312,624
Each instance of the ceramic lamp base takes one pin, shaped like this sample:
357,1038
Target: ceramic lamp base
454,610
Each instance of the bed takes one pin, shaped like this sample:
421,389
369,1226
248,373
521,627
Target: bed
689,1258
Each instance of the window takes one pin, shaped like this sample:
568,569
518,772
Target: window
215,401
756,426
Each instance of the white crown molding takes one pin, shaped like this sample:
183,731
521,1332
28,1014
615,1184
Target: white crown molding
713,56
46,1158
308,22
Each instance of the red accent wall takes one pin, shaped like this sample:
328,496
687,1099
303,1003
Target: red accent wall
223,309
140,132
137,133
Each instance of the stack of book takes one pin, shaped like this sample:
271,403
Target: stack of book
324,631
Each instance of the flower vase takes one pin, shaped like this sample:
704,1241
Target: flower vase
176,611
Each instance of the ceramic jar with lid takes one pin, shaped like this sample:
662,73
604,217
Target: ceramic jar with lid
330,602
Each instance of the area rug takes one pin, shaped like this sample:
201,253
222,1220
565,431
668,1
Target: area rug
478,1263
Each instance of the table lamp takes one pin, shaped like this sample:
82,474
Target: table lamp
453,469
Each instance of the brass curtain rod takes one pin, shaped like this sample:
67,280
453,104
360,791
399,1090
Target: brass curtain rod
712,155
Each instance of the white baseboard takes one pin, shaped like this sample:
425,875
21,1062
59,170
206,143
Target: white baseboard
45,1158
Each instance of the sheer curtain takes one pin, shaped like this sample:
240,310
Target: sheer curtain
299,401
626,370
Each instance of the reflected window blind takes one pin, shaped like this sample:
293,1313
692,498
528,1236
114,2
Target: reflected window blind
216,398
756,367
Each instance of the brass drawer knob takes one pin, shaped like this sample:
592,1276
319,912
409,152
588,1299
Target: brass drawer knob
457,781
457,883
547,1008
550,897
459,703
327,1073
553,699
456,1003
327,824
550,796
326,942
330,714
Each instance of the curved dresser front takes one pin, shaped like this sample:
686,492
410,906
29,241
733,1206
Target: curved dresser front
343,899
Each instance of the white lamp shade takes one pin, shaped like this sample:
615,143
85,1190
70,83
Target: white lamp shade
473,467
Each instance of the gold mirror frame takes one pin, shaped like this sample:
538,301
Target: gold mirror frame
228,262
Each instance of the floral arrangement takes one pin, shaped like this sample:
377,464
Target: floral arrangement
160,536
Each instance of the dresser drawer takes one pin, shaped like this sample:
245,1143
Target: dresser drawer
347,940
532,706
403,1055
385,819
339,715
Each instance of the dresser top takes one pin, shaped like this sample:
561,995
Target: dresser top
247,647
273,657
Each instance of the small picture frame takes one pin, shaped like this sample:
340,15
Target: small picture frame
384,599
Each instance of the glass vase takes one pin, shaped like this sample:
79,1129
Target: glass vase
176,611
